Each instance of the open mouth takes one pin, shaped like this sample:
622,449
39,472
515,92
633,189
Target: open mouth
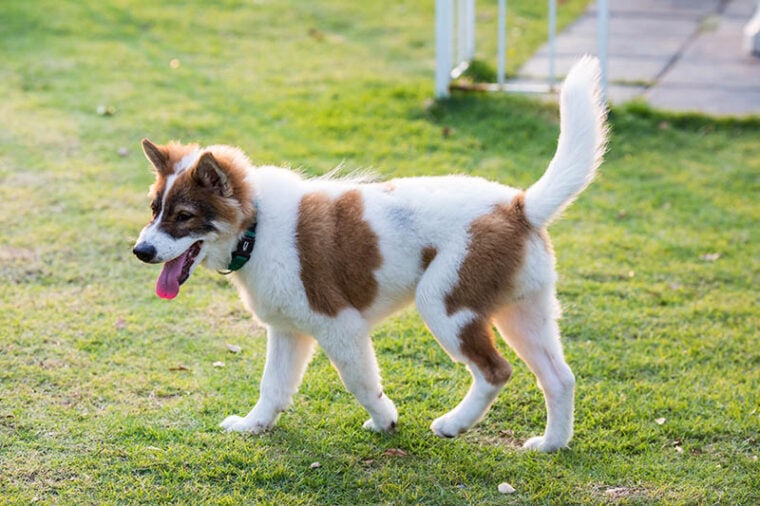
175,272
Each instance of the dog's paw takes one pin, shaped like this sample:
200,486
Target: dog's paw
541,444
385,418
447,426
240,424
389,427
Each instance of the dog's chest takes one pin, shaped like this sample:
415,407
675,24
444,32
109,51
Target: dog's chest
270,285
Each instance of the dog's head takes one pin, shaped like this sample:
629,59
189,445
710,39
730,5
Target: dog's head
201,203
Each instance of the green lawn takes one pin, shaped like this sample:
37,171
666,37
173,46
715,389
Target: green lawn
110,395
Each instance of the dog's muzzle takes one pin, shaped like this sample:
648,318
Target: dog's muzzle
144,251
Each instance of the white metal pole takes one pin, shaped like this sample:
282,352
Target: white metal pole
751,33
502,43
602,34
444,30
552,40
461,22
470,50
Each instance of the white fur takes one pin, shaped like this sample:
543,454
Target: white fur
580,148
408,215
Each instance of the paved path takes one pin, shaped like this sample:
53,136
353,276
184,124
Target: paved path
679,55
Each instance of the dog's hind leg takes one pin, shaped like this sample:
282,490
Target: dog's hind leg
288,355
466,337
530,327
349,348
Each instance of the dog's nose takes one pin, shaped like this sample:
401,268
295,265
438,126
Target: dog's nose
144,251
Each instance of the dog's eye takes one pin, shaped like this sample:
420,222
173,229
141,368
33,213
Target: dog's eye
183,216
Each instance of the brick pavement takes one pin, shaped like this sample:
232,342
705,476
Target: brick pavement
678,55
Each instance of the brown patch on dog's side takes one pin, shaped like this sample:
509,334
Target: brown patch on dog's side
496,252
427,256
478,345
338,251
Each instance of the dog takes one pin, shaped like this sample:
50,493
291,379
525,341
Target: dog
324,260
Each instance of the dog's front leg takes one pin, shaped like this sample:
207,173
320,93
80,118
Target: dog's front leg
349,348
288,355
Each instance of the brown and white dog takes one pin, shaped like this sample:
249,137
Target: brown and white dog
333,257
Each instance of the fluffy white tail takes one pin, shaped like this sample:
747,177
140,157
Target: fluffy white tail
581,145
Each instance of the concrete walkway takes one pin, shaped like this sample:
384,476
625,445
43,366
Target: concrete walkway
678,55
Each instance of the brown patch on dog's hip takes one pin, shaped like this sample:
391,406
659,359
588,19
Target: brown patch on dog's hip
486,277
495,254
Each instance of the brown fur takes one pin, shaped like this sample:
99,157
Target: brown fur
427,256
230,201
486,277
234,164
497,250
156,194
338,252
164,158
478,345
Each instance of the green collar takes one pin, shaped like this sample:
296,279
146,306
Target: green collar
244,249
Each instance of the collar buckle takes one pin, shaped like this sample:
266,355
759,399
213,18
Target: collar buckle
242,253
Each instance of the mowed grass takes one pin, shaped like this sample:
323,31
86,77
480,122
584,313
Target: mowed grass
110,395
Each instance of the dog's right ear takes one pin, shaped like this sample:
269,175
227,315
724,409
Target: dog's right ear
157,156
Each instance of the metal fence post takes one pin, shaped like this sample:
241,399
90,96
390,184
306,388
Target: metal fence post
444,29
501,64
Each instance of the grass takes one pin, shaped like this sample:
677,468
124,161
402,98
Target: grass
109,395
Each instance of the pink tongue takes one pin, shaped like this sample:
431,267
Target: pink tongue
167,286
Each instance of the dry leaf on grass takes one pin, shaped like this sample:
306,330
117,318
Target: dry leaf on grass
218,364
395,452
179,368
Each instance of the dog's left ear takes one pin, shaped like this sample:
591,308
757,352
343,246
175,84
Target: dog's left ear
157,156
209,174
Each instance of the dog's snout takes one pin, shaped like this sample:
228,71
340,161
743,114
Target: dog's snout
144,251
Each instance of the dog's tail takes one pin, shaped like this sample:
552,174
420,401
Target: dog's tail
581,145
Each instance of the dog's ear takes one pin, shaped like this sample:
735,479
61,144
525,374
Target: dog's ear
156,155
209,174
